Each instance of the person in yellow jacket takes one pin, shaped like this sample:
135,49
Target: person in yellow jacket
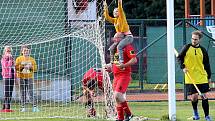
25,67
123,34
194,60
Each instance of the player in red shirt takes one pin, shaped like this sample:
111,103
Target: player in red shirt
91,79
122,78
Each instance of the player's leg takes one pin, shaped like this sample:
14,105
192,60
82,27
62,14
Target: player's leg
119,108
23,90
122,105
205,106
6,94
8,83
33,98
89,93
125,41
204,88
111,49
194,102
11,86
10,91
91,112
193,95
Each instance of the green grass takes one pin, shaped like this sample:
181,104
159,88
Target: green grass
148,109
135,84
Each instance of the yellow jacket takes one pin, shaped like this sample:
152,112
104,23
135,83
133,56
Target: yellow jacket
120,23
196,60
25,67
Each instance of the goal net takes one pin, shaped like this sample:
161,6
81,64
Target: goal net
66,38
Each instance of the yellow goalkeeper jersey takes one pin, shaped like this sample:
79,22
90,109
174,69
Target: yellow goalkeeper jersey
120,23
196,60
25,67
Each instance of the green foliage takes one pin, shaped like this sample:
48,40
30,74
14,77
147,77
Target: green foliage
152,9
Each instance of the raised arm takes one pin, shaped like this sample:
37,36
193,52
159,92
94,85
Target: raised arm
120,9
106,13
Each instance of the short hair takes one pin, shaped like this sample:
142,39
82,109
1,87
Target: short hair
199,33
91,84
24,46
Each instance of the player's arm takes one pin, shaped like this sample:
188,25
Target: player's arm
106,14
108,67
181,56
120,10
132,55
18,66
132,61
87,90
206,62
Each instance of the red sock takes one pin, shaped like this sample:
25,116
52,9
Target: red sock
120,112
126,108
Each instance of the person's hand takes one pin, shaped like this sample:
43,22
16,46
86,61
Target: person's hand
17,81
108,67
8,55
209,80
185,70
84,92
120,1
28,66
121,66
92,93
105,4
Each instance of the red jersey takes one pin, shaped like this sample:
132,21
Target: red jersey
93,74
128,54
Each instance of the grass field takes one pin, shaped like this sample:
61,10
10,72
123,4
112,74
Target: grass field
148,109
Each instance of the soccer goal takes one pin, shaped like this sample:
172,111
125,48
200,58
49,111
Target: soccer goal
66,38
211,29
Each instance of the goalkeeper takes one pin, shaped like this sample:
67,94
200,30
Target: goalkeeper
123,35
91,79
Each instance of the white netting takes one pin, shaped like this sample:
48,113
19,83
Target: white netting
66,39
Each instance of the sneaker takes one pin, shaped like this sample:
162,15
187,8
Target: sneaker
35,109
208,118
91,112
128,117
194,118
23,110
6,110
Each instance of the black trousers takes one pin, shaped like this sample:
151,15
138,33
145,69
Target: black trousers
8,91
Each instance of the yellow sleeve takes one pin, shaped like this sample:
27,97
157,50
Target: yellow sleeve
121,11
107,17
18,66
34,65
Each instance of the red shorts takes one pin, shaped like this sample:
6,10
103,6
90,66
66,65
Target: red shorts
120,83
